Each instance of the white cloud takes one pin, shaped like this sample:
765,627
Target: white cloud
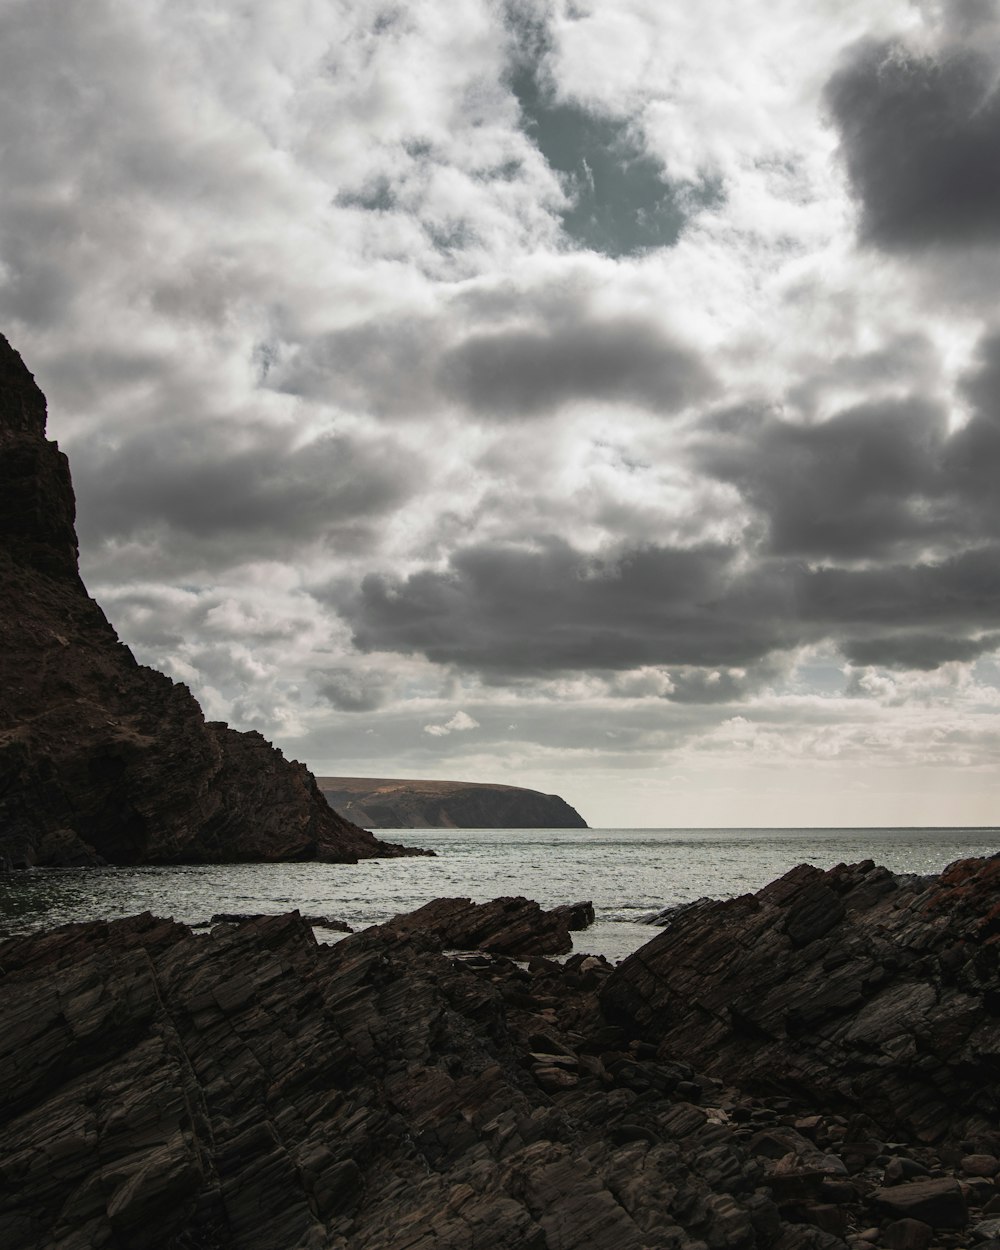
461,722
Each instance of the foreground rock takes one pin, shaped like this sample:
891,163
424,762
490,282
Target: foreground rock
248,1089
517,927
251,1089
102,759
849,991
383,803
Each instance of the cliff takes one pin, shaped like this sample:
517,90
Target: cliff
103,759
810,1068
386,803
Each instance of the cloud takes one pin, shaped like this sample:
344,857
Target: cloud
504,609
858,485
354,689
461,722
619,199
920,136
532,351
531,372
533,348
220,492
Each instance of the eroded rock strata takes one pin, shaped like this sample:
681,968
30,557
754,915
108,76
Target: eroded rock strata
851,990
101,758
248,1089
516,927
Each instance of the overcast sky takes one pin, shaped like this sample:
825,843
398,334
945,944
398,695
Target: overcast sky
603,398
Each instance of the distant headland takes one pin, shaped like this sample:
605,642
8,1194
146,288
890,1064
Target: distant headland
399,803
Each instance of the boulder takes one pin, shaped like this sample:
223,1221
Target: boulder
938,1202
516,927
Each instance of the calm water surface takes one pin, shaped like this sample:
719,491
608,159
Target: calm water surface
629,873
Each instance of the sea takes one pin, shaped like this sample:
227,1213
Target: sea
628,874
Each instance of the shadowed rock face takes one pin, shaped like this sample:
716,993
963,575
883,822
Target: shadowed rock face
384,803
103,759
851,990
248,1089
517,927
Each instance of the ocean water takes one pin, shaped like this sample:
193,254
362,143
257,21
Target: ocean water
628,873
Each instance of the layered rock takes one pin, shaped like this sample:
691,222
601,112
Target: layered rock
247,1089
850,990
103,759
517,927
384,803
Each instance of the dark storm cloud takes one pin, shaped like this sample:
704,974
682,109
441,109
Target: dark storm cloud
854,486
512,612
950,598
620,201
524,373
920,135
503,609
917,650
407,367
354,690
879,481
243,490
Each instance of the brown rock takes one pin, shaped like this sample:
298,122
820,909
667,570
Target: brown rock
908,1234
938,1202
980,1165
517,927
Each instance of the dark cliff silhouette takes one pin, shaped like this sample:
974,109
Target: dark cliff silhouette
101,758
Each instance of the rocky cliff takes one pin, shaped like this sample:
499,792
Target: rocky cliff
102,759
385,803
811,1068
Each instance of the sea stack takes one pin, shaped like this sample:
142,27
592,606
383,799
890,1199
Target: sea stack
103,760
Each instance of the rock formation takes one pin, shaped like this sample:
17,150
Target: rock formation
850,991
103,759
248,1089
382,803
517,927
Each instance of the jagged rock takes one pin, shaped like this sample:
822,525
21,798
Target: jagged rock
248,1089
316,922
844,990
517,927
103,759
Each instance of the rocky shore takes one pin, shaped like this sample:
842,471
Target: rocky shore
813,1067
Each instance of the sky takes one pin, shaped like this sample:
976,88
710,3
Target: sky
602,398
